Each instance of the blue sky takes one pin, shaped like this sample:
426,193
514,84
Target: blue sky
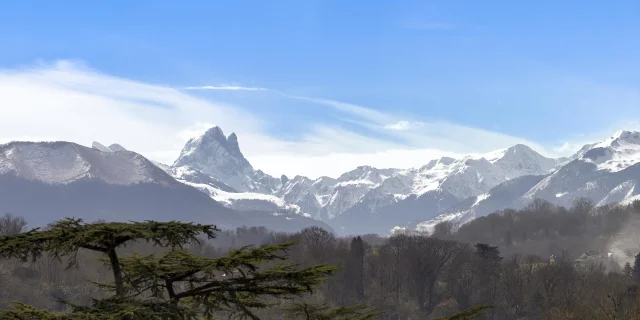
553,73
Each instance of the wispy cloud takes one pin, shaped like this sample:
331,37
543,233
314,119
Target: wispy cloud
573,143
440,135
359,111
68,101
226,88
76,103
403,125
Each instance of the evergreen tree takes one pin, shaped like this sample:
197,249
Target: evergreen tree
488,253
627,271
173,285
488,273
636,267
354,272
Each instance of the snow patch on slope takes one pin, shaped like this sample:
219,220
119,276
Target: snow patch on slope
250,201
112,148
463,178
481,198
100,147
65,162
620,193
616,153
325,198
429,225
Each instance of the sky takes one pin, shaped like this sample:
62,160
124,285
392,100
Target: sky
320,87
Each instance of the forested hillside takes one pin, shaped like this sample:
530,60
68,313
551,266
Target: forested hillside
542,262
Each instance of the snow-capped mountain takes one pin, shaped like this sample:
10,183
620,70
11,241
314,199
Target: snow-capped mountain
112,148
521,160
617,153
63,163
214,164
47,181
607,172
220,157
504,195
214,175
50,180
426,192
368,189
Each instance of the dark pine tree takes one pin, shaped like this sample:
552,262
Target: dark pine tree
175,284
354,271
636,268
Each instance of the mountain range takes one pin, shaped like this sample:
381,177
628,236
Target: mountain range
211,181
47,181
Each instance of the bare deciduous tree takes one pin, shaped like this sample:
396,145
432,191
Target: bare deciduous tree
10,224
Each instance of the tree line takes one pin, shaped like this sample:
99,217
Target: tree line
540,262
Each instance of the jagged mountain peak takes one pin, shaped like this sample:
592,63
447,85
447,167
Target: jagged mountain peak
521,159
615,153
627,134
213,143
442,161
519,148
100,147
232,143
217,155
520,151
606,172
112,148
116,147
517,151
214,132
619,139
365,174
299,178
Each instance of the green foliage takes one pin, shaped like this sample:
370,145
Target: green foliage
108,309
66,237
232,282
488,253
469,314
176,284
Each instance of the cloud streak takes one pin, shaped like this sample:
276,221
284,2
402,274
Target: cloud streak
439,135
403,125
71,102
577,141
353,109
226,88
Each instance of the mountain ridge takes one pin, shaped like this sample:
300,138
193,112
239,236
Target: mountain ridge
444,189
326,198
47,181
606,173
